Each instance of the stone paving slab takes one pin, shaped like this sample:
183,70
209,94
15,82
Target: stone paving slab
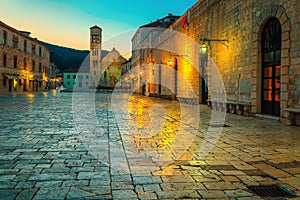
46,154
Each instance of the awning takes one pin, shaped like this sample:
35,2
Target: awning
12,76
15,76
36,79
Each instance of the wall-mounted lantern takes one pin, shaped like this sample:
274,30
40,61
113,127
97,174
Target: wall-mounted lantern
203,48
170,62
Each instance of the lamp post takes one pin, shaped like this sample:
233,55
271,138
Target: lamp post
203,62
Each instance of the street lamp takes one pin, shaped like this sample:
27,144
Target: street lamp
203,48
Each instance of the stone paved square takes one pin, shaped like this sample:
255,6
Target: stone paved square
48,151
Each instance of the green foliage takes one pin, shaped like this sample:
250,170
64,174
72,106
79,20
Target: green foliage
65,57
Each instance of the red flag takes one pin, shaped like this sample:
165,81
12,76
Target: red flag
183,22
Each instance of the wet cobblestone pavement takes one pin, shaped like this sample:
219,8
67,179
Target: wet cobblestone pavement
45,154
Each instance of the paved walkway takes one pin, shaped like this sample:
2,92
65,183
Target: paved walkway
54,146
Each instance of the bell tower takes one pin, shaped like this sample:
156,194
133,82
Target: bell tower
95,55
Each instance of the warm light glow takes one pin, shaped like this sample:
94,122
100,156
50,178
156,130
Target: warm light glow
143,121
141,118
203,48
170,62
153,66
15,83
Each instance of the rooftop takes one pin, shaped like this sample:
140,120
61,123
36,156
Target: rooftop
95,27
22,33
164,22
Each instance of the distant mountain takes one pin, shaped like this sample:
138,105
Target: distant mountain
66,58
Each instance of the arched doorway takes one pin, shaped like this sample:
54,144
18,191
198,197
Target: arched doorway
271,67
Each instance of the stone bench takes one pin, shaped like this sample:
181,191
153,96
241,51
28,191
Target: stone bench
240,108
292,114
189,101
163,96
153,94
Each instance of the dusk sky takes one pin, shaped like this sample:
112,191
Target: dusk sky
67,22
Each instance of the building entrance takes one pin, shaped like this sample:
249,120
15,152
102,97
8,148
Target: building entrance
271,67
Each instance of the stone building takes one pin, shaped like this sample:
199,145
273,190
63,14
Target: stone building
255,46
142,50
52,81
126,80
75,79
24,61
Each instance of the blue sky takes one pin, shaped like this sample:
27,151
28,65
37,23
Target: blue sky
67,22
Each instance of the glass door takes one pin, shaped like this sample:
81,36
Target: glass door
271,69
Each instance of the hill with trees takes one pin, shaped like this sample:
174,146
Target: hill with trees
67,58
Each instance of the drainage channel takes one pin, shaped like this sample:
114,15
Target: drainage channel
272,191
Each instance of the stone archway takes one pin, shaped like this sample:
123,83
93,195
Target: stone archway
278,12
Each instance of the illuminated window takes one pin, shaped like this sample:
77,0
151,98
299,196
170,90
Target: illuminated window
271,67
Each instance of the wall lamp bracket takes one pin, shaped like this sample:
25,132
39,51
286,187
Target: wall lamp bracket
222,41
